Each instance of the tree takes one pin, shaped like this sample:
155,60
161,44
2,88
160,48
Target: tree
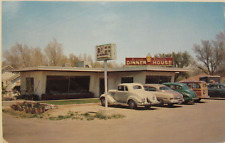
18,56
41,60
209,56
98,64
180,60
73,60
221,37
12,58
54,53
221,42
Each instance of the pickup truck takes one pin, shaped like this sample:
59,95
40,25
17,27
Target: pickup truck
131,94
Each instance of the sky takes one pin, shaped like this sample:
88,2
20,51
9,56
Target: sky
137,28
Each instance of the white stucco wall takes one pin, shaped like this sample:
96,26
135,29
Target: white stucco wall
138,77
114,78
39,82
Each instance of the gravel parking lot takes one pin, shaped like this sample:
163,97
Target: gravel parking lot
200,123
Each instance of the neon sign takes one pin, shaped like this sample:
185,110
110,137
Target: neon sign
150,61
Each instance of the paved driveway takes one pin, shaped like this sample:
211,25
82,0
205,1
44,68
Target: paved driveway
200,123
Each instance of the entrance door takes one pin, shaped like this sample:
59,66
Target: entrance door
101,86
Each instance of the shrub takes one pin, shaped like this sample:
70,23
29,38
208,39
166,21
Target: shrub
34,97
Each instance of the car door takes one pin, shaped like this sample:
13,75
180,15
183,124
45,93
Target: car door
221,91
212,89
118,95
125,95
122,94
155,92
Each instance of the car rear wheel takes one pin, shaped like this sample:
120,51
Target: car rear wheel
161,103
103,101
132,104
147,106
191,102
170,105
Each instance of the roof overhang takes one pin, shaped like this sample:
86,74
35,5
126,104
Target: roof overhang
99,70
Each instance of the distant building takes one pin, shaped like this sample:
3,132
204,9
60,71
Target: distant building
10,79
76,80
84,64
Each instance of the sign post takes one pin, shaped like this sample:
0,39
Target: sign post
106,84
104,53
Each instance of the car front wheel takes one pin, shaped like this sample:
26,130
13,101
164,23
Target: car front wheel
161,103
132,104
103,101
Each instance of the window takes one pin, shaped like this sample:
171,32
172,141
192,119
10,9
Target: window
120,88
164,88
146,88
196,86
157,79
137,87
79,84
30,85
127,80
152,88
67,84
171,86
177,87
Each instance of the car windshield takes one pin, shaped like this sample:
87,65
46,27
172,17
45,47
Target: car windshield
186,86
164,88
137,87
222,87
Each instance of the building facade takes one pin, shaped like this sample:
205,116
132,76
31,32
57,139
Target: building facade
68,80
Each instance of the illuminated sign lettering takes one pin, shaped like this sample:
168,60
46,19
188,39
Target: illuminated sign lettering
150,61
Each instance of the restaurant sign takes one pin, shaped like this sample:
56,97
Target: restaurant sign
150,61
106,52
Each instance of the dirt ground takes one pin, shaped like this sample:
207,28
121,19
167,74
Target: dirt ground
200,123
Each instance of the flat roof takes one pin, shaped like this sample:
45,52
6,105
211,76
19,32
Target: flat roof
81,69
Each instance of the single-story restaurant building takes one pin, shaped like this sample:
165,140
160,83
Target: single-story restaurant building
72,81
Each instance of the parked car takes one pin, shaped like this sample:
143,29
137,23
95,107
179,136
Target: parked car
216,90
188,94
131,94
199,87
164,94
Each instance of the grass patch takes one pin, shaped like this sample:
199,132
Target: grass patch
77,101
70,115
87,116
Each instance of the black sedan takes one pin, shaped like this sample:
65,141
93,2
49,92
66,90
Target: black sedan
216,90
